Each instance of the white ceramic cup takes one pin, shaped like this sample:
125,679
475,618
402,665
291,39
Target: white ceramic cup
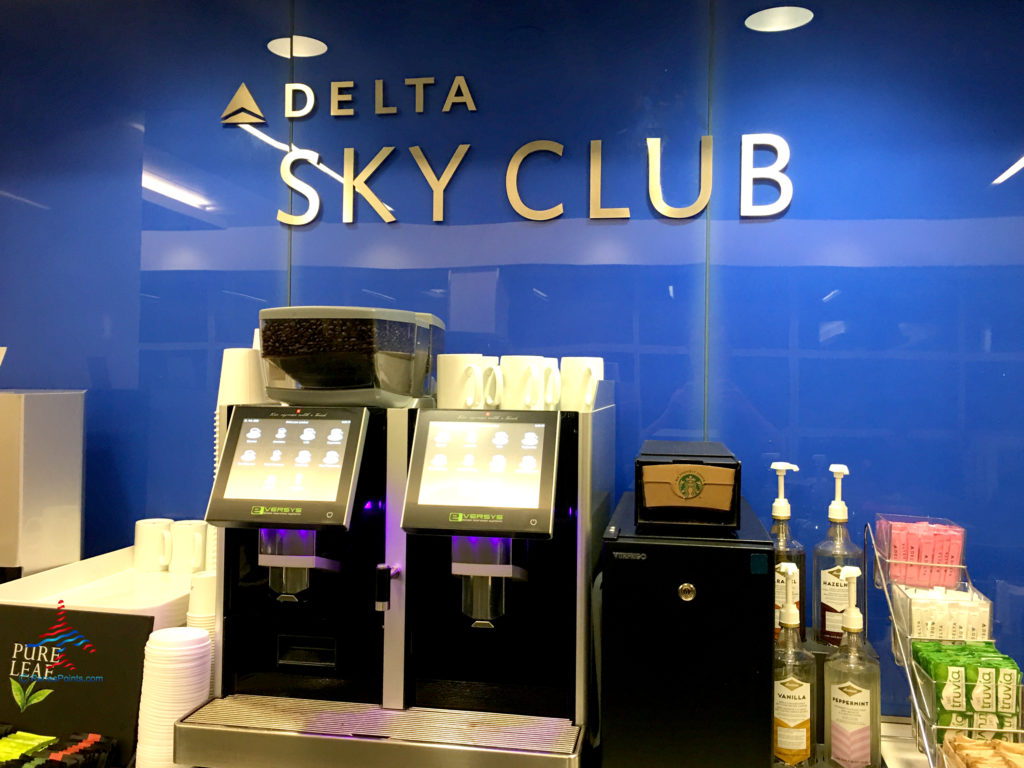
552,384
152,551
494,382
463,381
531,383
188,546
579,382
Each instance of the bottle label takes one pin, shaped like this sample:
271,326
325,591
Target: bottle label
780,596
851,725
983,697
792,731
834,598
1009,683
954,690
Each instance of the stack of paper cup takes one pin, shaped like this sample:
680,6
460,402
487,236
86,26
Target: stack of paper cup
213,534
175,680
202,610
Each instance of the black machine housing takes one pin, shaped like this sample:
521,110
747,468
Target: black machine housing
526,663
327,642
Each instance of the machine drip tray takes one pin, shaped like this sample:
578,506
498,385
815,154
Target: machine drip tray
245,731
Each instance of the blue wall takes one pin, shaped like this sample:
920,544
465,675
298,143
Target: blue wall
876,322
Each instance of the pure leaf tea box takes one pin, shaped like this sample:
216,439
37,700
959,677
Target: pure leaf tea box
73,671
687,484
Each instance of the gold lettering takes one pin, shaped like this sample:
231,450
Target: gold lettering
438,185
337,97
290,110
654,188
418,83
378,100
512,181
354,183
300,186
596,211
459,94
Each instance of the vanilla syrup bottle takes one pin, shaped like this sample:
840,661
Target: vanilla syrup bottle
794,731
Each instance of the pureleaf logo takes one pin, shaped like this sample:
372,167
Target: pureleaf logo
39,661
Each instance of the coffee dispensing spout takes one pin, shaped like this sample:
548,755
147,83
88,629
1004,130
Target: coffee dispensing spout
290,554
485,564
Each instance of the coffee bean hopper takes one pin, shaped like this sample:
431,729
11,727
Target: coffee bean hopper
349,355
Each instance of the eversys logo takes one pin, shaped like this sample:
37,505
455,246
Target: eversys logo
475,517
419,97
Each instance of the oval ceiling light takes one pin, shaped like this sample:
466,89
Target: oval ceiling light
780,19
304,47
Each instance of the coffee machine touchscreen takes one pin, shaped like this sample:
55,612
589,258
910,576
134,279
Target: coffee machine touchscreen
482,465
288,459
482,473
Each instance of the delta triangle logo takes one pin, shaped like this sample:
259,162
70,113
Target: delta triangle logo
242,109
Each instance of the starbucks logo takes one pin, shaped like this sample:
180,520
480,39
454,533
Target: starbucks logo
689,485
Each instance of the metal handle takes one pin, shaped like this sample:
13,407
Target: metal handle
382,586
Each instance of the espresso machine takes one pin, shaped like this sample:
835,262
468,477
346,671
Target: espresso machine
301,494
503,512
482,595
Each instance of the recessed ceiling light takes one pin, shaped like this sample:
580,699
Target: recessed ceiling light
780,19
302,47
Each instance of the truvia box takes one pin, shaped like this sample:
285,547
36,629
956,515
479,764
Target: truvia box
687,484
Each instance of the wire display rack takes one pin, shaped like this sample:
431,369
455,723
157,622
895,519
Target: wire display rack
928,731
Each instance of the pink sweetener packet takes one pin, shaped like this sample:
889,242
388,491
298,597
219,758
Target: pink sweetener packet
927,555
956,552
914,535
942,573
898,552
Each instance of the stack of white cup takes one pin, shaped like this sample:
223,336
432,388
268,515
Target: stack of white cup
518,382
175,680
202,610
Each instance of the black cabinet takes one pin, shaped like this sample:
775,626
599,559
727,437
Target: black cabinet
686,646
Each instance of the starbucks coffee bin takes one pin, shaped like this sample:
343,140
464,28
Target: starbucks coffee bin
683,484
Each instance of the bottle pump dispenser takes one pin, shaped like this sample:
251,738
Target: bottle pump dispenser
837,512
853,619
789,616
787,549
780,507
